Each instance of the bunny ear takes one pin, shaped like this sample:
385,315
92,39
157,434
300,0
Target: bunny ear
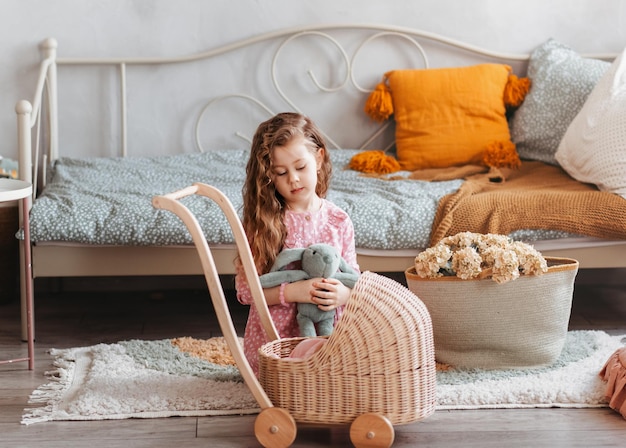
345,267
275,278
285,257
347,279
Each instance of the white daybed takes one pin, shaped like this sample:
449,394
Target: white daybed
334,76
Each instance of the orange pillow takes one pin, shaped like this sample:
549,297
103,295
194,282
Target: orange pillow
448,116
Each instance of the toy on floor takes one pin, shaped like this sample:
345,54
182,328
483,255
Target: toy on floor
318,260
614,373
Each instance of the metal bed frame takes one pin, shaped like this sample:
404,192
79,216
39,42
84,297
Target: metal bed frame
38,141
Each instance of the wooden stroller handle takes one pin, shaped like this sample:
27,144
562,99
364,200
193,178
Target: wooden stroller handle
188,191
172,203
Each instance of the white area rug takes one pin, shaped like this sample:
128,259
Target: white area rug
148,379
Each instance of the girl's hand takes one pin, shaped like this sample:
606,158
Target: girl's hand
301,291
329,293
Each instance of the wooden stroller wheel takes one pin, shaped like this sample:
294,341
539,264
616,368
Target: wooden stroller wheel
275,428
372,430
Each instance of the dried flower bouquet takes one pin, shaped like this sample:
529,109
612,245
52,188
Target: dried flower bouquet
473,255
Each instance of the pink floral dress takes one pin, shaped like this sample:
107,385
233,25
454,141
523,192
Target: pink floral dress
330,225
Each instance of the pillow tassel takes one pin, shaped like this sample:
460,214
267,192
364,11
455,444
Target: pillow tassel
379,105
501,154
515,90
374,161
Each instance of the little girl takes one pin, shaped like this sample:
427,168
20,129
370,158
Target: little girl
287,177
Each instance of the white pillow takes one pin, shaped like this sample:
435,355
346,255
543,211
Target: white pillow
593,149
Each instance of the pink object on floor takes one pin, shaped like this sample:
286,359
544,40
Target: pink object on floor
614,372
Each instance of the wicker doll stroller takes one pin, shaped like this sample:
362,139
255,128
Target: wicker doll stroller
376,370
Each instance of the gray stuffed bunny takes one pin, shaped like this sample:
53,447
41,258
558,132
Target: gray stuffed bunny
318,260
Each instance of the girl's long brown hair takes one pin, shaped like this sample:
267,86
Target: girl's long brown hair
263,206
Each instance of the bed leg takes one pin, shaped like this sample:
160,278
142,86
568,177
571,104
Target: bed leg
26,290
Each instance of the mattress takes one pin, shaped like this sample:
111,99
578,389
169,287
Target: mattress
107,202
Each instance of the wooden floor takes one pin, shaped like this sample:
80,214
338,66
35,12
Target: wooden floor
75,315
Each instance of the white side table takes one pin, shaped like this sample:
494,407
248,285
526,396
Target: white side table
12,190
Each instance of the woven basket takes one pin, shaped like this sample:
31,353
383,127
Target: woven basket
380,358
482,324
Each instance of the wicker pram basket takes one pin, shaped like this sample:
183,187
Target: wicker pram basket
376,369
380,358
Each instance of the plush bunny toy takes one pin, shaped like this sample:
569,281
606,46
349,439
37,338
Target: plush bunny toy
318,260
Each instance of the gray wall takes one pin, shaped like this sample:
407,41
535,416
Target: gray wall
168,27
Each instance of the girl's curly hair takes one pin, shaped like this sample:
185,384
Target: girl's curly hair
263,206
